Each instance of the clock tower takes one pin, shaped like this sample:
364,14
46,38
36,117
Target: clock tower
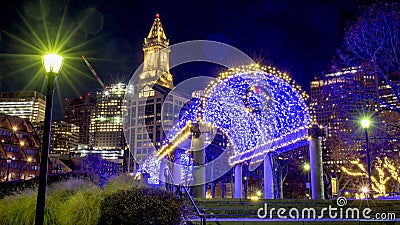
156,58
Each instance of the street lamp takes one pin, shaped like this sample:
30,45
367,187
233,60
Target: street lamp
9,160
365,123
52,64
307,168
366,191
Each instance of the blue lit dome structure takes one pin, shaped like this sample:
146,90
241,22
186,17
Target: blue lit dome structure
259,109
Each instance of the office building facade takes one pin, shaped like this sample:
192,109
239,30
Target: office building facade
78,111
19,149
64,137
24,104
105,130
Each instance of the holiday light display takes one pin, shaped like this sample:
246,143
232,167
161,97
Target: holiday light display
393,169
385,171
258,108
151,166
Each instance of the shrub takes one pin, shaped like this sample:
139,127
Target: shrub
122,182
18,186
68,202
18,209
123,200
74,202
140,206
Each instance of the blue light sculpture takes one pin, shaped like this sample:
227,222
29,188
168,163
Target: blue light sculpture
258,108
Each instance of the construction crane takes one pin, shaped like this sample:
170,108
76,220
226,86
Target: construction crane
94,73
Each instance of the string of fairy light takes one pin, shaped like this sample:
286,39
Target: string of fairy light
385,171
178,134
285,118
254,106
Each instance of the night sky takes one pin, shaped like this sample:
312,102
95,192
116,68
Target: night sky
297,36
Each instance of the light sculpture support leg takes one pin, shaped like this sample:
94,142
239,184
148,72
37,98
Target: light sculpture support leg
238,181
268,178
199,161
315,147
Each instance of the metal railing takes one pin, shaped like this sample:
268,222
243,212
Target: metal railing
200,214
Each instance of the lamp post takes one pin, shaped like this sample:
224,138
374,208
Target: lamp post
307,168
52,64
365,123
9,160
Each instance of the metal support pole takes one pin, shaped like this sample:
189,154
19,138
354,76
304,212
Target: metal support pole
368,161
213,189
199,161
308,181
176,170
163,173
41,198
246,182
268,178
223,186
238,180
315,147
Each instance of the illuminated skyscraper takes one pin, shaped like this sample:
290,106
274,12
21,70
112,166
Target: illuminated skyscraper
337,101
105,132
78,111
24,104
146,126
64,137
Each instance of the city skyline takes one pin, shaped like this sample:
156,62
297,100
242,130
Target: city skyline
281,106
289,35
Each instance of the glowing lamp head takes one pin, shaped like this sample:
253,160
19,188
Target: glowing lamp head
29,159
365,123
52,62
365,189
254,198
307,167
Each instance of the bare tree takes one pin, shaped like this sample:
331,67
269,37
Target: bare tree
372,45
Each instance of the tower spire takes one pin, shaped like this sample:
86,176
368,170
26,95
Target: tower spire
156,57
156,35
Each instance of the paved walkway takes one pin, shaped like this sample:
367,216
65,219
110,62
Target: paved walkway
249,221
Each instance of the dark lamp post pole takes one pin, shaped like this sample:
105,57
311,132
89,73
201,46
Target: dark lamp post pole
52,64
365,123
307,168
